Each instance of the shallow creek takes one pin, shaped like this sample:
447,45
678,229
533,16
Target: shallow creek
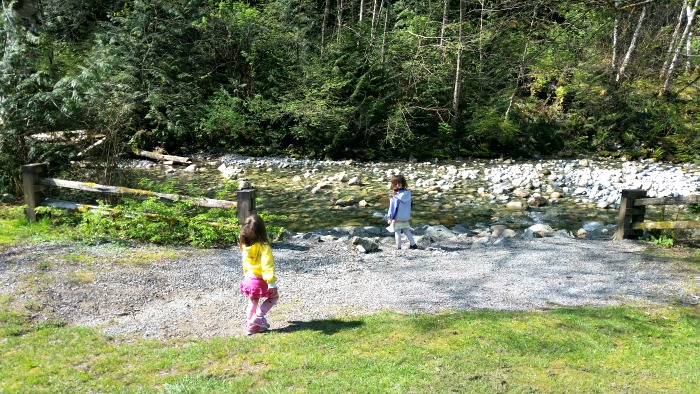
472,193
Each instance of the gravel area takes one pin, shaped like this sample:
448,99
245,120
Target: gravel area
156,292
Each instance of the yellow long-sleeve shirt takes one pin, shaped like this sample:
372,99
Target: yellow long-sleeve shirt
258,261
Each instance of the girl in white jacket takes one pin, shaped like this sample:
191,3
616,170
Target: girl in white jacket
400,211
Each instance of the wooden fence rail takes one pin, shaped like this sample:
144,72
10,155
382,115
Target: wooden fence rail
633,203
34,185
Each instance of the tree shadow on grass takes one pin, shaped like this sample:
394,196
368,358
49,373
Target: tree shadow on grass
328,327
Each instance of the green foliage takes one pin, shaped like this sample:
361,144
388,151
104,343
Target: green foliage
663,240
176,223
283,76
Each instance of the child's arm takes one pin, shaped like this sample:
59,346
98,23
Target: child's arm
268,266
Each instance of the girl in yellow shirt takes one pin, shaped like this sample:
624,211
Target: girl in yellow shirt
259,273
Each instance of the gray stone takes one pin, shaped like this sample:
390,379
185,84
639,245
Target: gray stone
345,201
364,245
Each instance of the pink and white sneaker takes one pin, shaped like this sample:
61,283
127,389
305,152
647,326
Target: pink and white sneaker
252,329
260,322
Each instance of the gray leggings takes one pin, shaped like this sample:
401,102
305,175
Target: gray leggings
397,235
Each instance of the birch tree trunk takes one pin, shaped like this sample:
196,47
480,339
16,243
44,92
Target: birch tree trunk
633,45
362,9
326,15
339,18
458,67
616,31
386,25
690,17
688,51
375,19
444,23
674,40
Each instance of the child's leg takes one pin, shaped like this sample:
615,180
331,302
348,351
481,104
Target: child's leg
267,305
397,236
252,308
409,236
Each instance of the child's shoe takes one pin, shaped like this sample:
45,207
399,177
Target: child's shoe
414,246
260,322
252,329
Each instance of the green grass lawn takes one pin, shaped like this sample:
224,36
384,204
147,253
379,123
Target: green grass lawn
634,349
564,350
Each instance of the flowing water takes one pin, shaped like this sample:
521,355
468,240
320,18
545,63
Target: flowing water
305,194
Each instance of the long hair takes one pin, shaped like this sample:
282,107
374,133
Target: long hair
398,182
253,231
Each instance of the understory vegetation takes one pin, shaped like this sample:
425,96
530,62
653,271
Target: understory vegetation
345,79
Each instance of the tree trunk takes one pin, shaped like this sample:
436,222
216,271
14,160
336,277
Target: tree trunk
339,16
161,157
688,51
674,40
690,17
458,67
386,26
616,31
375,19
362,9
633,45
444,24
326,15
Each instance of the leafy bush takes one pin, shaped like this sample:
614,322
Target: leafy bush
159,222
663,240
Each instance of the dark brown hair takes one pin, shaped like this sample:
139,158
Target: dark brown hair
398,182
253,231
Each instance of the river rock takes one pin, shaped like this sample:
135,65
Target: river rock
539,231
345,201
354,181
515,205
521,193
364,245
438,232
538,201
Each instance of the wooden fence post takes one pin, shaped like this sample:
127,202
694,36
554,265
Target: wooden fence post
245,204
32,188
629,214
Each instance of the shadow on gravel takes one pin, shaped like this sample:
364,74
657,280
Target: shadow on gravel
286,246
328,327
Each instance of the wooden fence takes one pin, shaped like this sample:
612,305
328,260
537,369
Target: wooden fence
633,203
34,186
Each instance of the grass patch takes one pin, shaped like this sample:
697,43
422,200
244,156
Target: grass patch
20,232
566,350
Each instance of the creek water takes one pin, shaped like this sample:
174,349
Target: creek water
305,194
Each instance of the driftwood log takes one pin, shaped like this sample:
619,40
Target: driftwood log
161,157
65,137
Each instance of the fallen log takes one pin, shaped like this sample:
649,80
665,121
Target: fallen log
120,191
161,157
65,137
96,144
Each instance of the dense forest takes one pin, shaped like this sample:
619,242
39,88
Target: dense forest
365,79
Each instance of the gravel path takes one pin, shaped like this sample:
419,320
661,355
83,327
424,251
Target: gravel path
154,292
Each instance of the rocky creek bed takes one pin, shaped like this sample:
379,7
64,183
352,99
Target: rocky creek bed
144,291
312,194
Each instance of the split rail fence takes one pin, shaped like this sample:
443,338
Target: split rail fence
34,186
633,204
